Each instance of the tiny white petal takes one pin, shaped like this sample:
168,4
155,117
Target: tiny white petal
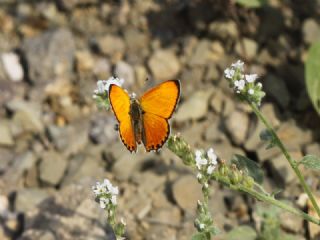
229,73
210,169
199,176
201,226
123,222
251,77
259,85
239,65
251,91
114,200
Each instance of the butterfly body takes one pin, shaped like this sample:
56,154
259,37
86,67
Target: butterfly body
145,119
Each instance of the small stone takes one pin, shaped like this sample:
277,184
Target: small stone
313,149
4,205
52,167
136,41
111,45
139,206
12,66
224,30
150,181
84,61
141,75
250,48
311,31
217,51
49,55
28,199
187,200
282,172
201,54
195,107
291,222
164,65
125,71
170,216
27,116
237,124
102,68
158,231
277,89
6,138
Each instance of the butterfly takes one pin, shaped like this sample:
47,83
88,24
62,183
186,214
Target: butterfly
145,120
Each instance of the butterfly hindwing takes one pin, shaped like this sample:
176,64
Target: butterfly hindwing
156,131
120,103
162,99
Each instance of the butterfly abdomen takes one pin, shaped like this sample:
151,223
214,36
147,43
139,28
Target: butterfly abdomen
136,119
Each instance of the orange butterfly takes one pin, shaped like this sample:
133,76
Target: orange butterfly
145,119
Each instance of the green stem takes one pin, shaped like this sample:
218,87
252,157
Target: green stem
292,162
266,198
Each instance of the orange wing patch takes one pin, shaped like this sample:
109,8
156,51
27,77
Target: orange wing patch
162,99
120,103
156,131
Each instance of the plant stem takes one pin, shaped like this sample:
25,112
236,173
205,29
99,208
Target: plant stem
292,162
266,198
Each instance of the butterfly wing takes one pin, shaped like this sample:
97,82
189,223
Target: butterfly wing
158,105
156,131
120,103
162,99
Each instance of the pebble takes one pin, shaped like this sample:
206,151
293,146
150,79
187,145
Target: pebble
49,55
195,107
111,45
84,61
6,138
12,66
224,29
250,48
27,199
187,200
202,54
164,64
125,71
52,167
291,222
237,124
311,31
276,88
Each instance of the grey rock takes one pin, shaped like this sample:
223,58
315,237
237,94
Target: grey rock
193,134
71,138
211,74
266,58
281,170
136,41
149,181
102,68
7,155
6,138
27,199
224,30
70,4
225,150
111,45
277,89
158,231
102,129
52,167
195,107
237,124
164,64
250,48
253,141
27,116
291,223
313,149
12,66
125,71
37,235
187,200
84,61
169,216
311,31
49,55
139,206
201,54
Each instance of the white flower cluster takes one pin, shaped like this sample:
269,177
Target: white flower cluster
106,193
206,165
244,84
103,85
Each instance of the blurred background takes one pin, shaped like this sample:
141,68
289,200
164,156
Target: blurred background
55,143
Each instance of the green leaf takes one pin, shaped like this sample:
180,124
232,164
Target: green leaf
249,167
199,236
312,75
252,3
311,161
241,233
286,236
103,103
266,135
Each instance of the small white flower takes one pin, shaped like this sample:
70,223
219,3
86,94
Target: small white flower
201,226
229,73
123,222
206,185
239,84
199,176
250,78
100,89
212,156
259,85
104,202
210,169
239,65
98,189
114,200
251,91
200,160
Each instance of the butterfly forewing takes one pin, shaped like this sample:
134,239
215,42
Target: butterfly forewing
120,102
162,99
